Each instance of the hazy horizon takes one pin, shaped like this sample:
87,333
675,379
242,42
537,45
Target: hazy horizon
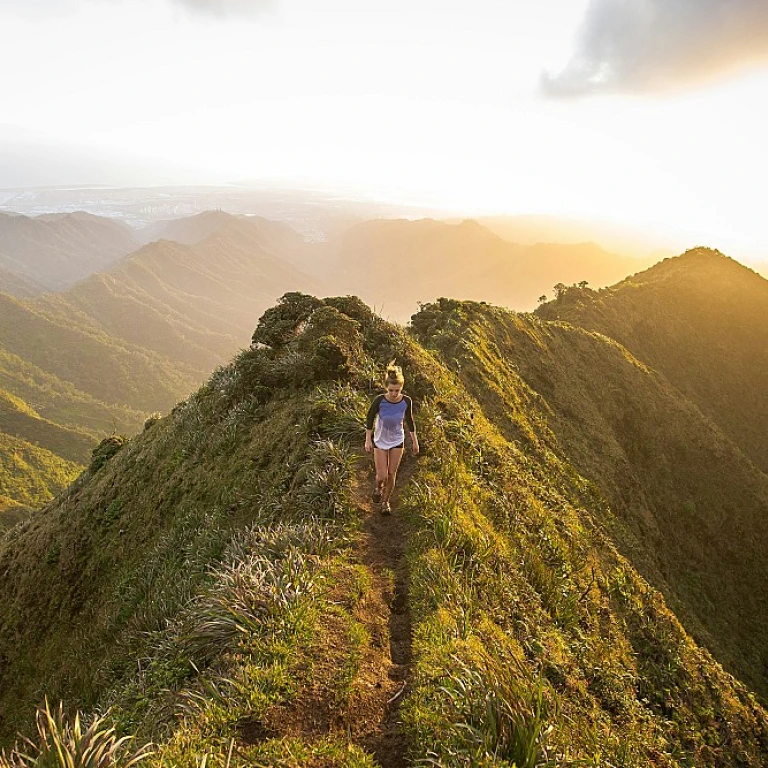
639,114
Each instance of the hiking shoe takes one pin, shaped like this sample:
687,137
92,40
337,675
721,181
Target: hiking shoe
376,495
386,509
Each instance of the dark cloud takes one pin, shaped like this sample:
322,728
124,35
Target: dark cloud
656,45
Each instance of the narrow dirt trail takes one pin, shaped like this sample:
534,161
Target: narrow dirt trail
368,711
382,551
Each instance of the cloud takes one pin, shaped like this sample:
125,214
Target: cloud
221,9
226,8
636,46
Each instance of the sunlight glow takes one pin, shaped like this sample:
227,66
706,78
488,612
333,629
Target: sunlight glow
426,104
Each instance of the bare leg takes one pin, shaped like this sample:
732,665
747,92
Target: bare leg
395,454
381,459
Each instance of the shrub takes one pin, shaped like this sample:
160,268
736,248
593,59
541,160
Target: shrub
105,450
281,323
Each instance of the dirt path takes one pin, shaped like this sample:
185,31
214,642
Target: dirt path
368,712
382,552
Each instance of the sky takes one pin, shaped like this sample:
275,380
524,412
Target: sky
646,112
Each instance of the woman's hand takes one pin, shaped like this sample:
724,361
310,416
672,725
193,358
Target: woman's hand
368,445
415,445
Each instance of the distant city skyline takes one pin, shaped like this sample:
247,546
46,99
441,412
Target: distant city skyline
645,113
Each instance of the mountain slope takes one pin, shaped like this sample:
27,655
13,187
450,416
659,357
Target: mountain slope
693,503
58,423
273,236
700,320
20,286
56,250
139,337
194,303
30,476
642,246
19,419
224,548
397,263
110,370
60,402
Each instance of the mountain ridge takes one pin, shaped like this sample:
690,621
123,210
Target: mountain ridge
222,547
675,316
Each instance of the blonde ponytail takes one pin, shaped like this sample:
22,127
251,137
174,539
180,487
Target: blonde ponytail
394,374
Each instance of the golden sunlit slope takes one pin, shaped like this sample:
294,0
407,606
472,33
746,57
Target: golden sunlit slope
56,250
194,303
93,362
30,476
60,402
690,503
228,548
701,320
19,419
395,263
41,364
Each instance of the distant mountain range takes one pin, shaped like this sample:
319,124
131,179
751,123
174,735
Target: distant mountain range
530,229
138,331
54,251
394,264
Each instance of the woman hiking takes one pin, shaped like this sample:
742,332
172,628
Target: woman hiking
389,411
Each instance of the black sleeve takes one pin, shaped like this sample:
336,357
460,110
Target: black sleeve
409,414
373,412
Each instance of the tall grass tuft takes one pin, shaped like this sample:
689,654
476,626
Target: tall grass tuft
61,744
496,715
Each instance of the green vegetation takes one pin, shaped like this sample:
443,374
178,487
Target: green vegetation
61,743
699,319
19,419
688,506
74,350
31,476
60,402
47,431
199,588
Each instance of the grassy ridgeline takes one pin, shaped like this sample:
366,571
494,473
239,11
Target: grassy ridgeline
201,580
690,506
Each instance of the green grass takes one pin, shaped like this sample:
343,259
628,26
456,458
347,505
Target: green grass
201,581
31,476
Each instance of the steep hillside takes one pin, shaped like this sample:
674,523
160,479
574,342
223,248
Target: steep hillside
19,419
691,503
394,264
193,304
58,423
20,286
56,250
700,319
137,338
30,476
74,351
65,385
60,402
222,585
